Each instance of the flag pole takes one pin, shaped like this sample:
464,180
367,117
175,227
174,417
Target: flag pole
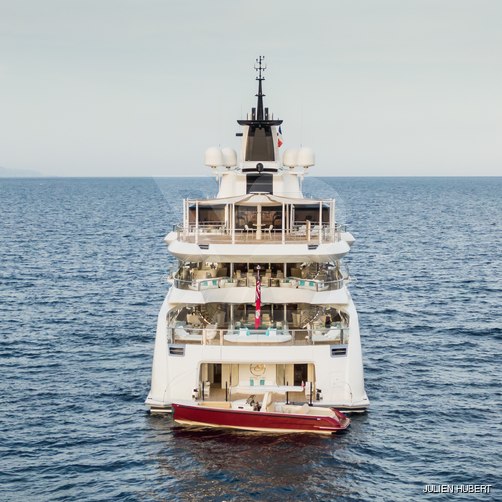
257,315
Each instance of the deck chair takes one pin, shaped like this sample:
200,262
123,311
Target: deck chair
248,230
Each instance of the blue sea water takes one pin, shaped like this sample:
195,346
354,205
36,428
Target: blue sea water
82,276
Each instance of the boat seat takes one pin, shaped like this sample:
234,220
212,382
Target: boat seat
193,319
304,410
210,331
301,230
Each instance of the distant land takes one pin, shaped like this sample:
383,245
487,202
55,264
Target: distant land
18,173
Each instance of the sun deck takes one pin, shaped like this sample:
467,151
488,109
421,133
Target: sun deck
259,216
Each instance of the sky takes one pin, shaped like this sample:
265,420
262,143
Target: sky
143,87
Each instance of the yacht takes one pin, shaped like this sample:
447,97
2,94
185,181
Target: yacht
258,303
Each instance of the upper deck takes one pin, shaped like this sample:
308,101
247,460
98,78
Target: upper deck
259,225
260,210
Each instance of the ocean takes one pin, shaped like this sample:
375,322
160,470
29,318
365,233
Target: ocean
82,277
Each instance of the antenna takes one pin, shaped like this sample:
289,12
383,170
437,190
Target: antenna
260,66
260,117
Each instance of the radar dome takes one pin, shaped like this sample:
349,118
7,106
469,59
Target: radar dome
306,157
229,157
289,157
213,157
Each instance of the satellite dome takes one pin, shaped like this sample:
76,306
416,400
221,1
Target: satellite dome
306,157
289,157
213,157
229,157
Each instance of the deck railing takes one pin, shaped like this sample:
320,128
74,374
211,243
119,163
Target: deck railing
246,282
218,232
337,334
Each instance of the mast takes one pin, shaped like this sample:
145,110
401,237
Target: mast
259,115
259,67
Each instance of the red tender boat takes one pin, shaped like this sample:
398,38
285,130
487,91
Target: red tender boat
271,417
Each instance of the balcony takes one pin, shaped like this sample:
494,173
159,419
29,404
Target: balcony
217,232
336,334
201,279
247,282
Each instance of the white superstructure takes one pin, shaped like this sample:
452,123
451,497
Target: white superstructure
303,341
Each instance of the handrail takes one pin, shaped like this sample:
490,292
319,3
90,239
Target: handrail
317,284
212,335
298,232
198,284
273,282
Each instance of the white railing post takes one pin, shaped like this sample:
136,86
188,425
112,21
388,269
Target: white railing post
320,222
283,223
332,219
184,216
232,217
196,222
186,221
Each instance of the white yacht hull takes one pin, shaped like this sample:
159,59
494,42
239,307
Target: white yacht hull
259,301
341,377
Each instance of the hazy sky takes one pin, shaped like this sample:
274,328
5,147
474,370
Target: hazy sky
143,87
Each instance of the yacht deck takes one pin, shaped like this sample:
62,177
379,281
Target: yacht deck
221,234
335,335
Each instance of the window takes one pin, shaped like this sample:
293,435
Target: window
300,373
176,350
260,145
260,183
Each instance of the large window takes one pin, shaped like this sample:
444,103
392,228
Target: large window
260,183
260,144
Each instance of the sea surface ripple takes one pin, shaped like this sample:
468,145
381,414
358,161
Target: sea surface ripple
82,277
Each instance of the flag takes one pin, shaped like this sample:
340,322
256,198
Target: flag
279,137
257,315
